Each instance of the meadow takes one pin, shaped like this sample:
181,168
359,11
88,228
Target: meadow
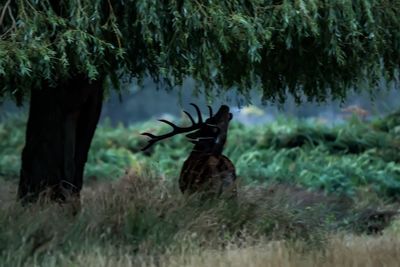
310,194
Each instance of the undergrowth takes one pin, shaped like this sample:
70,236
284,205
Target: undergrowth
302,185
346,159
143,219
145,216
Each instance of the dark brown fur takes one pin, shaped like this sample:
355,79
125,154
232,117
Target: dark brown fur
213,174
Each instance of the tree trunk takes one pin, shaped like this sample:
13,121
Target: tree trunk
60,128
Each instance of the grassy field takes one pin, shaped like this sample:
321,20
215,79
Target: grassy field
137,221
309,195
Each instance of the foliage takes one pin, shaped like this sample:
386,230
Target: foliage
348,159
318,47
12,133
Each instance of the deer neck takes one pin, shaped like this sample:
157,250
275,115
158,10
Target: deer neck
212,147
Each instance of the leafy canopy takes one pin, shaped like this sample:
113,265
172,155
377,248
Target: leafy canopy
318,47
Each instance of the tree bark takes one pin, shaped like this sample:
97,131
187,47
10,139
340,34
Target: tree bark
60,128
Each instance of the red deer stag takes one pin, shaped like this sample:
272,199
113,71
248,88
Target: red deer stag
206,170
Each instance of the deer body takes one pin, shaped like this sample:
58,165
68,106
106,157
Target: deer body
206,169
213,174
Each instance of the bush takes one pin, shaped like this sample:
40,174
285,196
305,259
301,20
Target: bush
346,159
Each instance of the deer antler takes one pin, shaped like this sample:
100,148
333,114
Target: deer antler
211,112
176,129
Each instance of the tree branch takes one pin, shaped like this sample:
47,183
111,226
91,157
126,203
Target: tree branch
3,12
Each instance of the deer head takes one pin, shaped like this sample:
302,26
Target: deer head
208,136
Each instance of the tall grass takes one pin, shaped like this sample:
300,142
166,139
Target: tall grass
145,221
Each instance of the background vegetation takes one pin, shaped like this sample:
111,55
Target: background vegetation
305,190
345,159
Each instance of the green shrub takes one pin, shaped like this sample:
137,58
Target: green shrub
344,159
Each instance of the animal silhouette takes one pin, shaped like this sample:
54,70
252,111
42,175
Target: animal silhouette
206,170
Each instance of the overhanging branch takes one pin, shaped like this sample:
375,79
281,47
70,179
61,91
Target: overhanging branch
4,10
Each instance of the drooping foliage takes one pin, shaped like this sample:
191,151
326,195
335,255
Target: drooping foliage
318,47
